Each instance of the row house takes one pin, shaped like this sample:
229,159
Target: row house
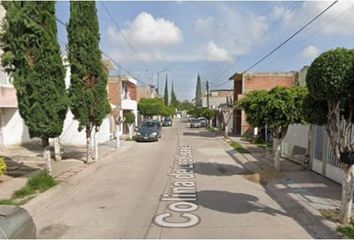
122,94
246,82
13,130
217,97
148,91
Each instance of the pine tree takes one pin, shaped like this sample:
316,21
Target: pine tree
173,97
165,96
198,93
32,57
88,93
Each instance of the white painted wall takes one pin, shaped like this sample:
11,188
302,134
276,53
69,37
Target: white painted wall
297,135
132,105
13,129
71,135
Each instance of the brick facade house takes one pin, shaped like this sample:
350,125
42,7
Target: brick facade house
122,94
246,82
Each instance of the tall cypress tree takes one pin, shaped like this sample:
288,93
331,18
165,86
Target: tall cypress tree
165,96
88,93
198,93
32,57
173,97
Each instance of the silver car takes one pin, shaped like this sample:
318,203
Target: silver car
16,223
195,123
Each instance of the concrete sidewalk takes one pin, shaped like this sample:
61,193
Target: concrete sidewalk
302,192
23,161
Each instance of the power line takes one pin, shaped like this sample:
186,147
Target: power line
275,23
123,35
323,27
110,58
291,37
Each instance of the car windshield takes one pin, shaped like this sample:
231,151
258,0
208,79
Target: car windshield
149,125
195,120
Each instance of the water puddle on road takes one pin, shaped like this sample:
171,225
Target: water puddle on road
181,194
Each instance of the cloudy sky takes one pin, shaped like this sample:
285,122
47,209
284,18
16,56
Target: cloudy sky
215,39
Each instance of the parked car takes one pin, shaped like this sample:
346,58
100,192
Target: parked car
190,119
15,222
167,122
195,123
148,131
262,135
203,121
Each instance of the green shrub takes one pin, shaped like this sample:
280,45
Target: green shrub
24,191
129,117
2,166
347,231
41,182
238,147
38,183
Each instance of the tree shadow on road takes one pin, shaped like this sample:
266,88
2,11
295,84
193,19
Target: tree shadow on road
202,134
315,224
218,169
236,203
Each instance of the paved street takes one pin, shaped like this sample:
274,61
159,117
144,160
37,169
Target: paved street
122,198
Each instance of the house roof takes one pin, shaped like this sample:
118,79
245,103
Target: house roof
263,74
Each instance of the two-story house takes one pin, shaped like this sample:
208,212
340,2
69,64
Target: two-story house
122,93
246,82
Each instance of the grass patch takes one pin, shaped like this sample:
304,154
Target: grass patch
258,141
264,146
238,147
36,184
333,215
347,231
213,130
7,202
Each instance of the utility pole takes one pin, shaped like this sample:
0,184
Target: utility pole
207,88
158,84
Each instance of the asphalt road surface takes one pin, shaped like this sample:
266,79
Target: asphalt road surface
184,186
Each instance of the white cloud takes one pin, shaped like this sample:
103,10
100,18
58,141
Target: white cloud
229,30
278,11
216,53
148,35
146,31
310,52
337,20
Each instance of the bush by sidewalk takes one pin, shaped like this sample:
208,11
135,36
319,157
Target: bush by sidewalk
258,141
37,184
2,166
333,215
238,147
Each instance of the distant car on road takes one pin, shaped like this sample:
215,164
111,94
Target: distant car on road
149,130
191,119
167,122
15,222
203,121
195,123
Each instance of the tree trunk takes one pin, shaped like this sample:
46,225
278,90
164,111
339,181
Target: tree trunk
210,123
130,127
117,136
46,155
226,132
89,153
276,152
347,195
95,145
57,151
